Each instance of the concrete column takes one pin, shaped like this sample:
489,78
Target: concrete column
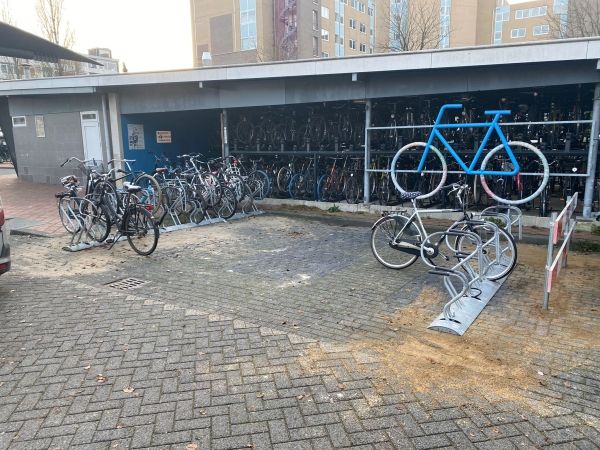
588,197
109,152
225,133
367,186
114,112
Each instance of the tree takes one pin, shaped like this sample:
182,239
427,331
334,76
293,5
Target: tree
54,28
575,19
413,25
124,70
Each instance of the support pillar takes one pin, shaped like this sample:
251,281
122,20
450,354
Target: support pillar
225,133
114,112
366,186
588,198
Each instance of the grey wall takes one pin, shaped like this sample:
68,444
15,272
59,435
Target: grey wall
39,159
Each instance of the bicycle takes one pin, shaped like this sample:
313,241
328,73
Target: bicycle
437,168
396,239
132,219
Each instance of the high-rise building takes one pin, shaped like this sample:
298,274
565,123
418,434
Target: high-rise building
241,31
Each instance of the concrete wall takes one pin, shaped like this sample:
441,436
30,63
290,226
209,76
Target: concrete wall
39,159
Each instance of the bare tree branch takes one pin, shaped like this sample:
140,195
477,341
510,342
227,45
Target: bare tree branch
578,18
5,15
54,28
413,25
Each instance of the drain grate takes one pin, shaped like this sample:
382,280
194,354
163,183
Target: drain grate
127,284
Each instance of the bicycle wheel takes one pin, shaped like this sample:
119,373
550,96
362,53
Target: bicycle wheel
537,174
500,258
141,230
260,184
68,208
387,236
352,189
429,181
97,221
227,205
105,193
151,195
283,179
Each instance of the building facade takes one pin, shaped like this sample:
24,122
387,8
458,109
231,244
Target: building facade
243,31
17,68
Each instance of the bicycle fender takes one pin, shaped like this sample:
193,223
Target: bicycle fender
384,218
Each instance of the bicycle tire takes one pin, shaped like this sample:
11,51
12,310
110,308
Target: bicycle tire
384,232
545,175
151,194
68,215
227,205
143,225
433,151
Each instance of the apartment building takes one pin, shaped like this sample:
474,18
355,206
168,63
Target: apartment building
17,68
242,31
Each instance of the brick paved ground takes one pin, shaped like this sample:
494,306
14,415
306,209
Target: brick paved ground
286,334
33,204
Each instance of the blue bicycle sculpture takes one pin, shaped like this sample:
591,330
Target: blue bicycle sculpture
499,163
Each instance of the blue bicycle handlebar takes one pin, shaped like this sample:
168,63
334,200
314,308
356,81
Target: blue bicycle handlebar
500,112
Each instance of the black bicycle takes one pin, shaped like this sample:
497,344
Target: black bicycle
131,218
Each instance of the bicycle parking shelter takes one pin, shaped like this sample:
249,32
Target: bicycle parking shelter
198,109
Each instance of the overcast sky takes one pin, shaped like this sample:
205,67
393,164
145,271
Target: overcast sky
146,34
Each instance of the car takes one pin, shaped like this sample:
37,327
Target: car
4,244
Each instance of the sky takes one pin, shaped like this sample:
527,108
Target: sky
145,34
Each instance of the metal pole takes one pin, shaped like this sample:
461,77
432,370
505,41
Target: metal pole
366,186
549,259
224,133
588,198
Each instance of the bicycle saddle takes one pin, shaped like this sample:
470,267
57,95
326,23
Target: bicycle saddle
62,194
161,169
132,188
409,195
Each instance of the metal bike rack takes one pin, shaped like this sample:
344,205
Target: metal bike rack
474,292
511,215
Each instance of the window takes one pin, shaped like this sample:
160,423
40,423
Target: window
502,15
89,116
324,12
315,46
40,130
354,4
352,43
371,50
517,33
363,28
324,35
315,20
19,121
339,18
248,24
324,55
538,11
4,68
361,7
445,7
363,47
371,11
540,30
352,24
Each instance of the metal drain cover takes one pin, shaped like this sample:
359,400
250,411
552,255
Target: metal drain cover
127,284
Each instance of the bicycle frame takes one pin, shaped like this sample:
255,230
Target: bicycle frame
491,126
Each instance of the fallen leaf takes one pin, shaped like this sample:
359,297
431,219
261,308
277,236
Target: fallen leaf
300,397
128,390
87,367
101,378
192,446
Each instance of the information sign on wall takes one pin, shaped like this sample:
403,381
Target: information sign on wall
163,137
135,135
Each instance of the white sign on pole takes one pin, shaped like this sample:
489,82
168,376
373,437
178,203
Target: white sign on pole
135,136
163,137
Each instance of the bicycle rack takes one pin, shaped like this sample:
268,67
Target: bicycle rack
474,291
511,215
